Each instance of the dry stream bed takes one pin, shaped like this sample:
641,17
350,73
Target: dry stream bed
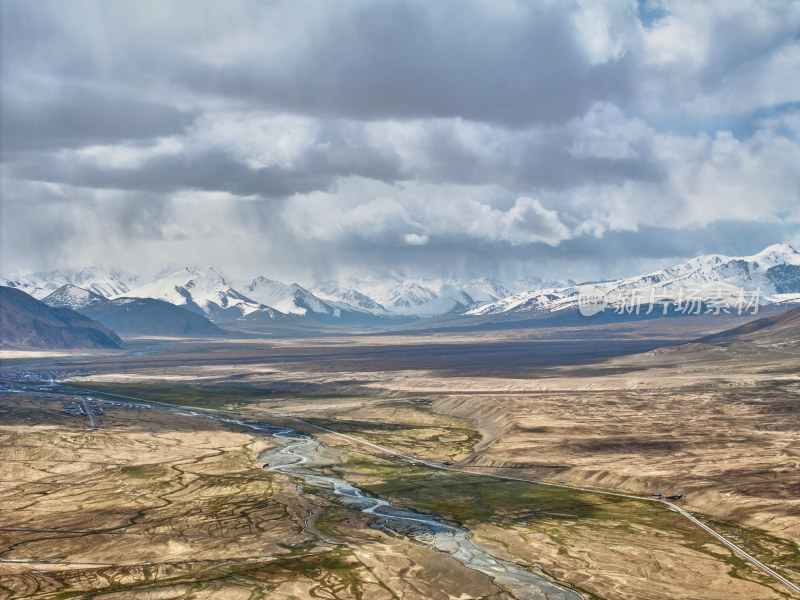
216,524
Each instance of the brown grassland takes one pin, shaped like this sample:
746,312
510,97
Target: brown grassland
155,504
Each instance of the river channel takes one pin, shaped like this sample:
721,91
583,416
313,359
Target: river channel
298,455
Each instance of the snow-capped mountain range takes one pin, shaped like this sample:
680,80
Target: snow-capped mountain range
205,291
73,297
294,299
413,297
770,277
133,316
106,283
775,272
211,292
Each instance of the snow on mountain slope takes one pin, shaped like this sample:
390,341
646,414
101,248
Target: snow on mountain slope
25,283
475,291
532,283
552,300
107,283
770,276
297,300
28,323
407,297
410,294
70,296
775,271
209,291
205,291
331,291
414,297
131,317
289,298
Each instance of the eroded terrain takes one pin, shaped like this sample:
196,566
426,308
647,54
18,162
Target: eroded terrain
162,505
155,504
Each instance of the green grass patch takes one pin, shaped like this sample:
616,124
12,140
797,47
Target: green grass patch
337,570
429,435
466,498
770,549
199,396
143,471
332,519
472,499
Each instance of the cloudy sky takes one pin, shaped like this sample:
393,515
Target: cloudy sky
305,139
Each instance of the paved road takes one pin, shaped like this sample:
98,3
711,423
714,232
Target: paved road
725,541
434,465
90,413
672,506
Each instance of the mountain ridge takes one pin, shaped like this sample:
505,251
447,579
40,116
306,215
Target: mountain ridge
133,316
780,329
773,274
27,323
774,271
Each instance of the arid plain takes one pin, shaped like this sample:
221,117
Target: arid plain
159,504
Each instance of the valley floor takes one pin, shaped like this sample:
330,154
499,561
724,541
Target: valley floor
155,504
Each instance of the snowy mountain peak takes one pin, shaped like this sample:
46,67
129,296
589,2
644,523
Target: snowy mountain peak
479,290
105,282
773,274
332,292
410,293
777,254
71,296
205,291
109,283
775,271
289,298
208,277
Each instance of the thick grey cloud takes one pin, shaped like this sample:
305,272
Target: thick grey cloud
419,59
430,150
510,63
453,137
74,115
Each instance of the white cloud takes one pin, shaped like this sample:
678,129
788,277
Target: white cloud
747,179
415,239
606,30
605,132
711,58
417,214
256,138
674,40
316,134
125,156
707,179
760,83
527,222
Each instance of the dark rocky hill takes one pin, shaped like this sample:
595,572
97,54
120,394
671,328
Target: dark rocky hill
27,323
